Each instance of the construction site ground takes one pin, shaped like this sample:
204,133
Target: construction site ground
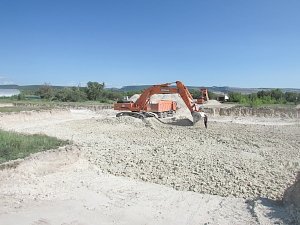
129,171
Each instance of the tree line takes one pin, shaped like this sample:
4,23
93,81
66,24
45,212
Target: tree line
275,96
95,91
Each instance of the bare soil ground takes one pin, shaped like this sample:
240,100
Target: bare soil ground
6,105
129,171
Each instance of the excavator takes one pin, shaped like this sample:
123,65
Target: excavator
142,108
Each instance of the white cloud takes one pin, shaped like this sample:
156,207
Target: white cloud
5,81
76,83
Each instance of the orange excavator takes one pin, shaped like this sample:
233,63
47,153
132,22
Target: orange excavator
143,108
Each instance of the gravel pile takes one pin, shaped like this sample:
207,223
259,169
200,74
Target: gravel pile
226,159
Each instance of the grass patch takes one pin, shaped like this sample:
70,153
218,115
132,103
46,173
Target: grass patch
270,106
14,145
9,109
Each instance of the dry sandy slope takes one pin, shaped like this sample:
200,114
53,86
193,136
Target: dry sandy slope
6,105
62,188
69,187
227,159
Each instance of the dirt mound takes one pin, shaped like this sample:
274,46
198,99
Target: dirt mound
16,120
122,120
62,187
212,103
134,97
242,111
33,115
227,160
157,97
6,105
292,199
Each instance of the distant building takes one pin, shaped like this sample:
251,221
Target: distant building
222,98
9,92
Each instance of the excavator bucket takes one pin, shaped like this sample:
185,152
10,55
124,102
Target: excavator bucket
197,118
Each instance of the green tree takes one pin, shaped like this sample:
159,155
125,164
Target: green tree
262,94
21,96
94,90
113,95
290,96
277,94
45,92
212,95
195,93
73,94
235,97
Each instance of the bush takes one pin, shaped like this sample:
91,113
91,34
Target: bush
275,96
196,93
235,97
74,94
21,97
94,90
45,92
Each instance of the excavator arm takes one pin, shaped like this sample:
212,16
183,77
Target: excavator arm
186,96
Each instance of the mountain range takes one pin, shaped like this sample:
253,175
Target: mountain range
215,89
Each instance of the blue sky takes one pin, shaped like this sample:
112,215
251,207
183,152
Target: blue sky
125,42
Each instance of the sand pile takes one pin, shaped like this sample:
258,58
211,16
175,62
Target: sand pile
157,97
174,97
241,111
15,120
62,187
122,121
226,160
182,111
134,97
292,199
212,102
6,105
33,115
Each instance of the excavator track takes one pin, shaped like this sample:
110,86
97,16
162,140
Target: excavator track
139,115
144,115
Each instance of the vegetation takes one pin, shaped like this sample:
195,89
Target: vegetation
197,94
14,145
96,93
10,109
275,96
93,92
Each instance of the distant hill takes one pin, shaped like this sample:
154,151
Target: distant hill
134,88
9,86
248,90
215,89
26,87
